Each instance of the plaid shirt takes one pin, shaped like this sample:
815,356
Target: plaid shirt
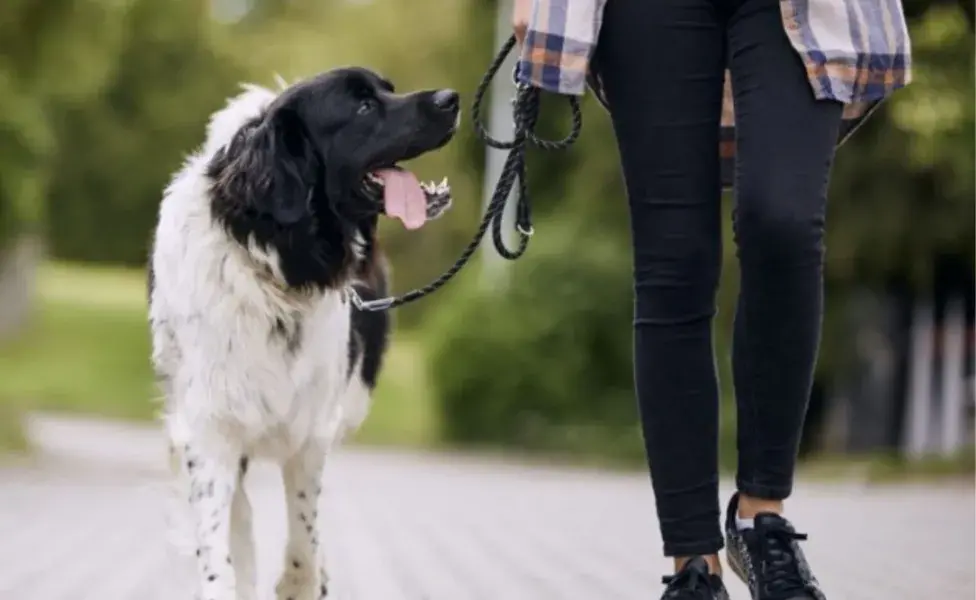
855,52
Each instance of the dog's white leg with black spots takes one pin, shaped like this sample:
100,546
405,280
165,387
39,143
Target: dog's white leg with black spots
242,540
304,577
213,482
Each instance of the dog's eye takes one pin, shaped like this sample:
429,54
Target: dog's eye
366,106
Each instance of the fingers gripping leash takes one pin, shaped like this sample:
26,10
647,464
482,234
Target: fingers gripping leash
526,112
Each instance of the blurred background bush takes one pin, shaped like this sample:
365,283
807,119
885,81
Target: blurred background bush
100,101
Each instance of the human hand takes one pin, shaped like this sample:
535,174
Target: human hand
521,13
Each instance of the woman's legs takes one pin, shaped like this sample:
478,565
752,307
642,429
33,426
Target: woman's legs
785,146
662,63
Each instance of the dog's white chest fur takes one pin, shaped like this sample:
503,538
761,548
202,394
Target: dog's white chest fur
271,375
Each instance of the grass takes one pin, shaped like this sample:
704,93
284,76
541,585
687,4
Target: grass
87,351
886,468
404,412
11,434
82,357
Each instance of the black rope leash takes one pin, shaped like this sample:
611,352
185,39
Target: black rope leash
526,107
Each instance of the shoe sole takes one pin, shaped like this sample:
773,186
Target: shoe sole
737,568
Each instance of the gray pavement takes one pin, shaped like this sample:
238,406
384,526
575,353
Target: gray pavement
84,521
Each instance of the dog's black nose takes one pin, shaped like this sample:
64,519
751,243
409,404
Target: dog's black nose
446,100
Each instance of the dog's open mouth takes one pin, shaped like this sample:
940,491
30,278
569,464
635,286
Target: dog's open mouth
401,195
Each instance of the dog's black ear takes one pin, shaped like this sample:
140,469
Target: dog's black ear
271,168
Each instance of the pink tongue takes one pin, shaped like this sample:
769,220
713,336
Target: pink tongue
403,198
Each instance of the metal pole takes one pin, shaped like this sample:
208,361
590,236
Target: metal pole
501,124
918,426
953,360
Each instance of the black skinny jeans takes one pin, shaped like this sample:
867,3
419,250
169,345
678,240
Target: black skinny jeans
662,64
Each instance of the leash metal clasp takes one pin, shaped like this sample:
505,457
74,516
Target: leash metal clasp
370,305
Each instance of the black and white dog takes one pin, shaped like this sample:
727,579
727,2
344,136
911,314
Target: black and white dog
258,349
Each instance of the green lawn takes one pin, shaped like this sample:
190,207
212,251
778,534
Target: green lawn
87,351
11,434
880,468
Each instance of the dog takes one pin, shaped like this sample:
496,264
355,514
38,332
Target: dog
264,236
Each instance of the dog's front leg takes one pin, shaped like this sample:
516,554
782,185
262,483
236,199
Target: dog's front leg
304,577
213,481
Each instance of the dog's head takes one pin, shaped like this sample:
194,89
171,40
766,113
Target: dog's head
308,177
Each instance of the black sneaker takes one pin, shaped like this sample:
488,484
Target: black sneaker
694,582
767,558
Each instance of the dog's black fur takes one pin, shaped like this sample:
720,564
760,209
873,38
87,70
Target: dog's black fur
291,180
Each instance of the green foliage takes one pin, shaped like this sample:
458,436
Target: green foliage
51,53
118,151
543,363
903,187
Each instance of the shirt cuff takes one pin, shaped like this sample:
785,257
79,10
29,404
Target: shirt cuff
554,63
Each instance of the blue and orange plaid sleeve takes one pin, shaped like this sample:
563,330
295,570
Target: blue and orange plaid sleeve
854,52
559,42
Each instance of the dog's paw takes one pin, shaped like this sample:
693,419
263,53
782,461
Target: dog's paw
302,584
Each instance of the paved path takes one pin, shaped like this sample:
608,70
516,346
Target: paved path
84,522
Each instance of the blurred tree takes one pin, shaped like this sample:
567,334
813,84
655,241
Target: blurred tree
540,365
117,151
903,187
52,54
